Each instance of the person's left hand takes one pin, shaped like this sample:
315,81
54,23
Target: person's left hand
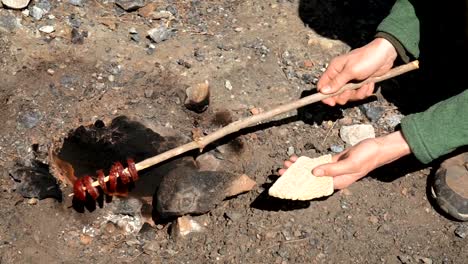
357,161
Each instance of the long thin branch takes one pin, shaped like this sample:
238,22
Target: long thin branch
257,119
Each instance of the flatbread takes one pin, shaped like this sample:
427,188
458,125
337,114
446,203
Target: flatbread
298,182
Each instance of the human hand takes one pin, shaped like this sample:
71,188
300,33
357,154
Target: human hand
357,161
373,59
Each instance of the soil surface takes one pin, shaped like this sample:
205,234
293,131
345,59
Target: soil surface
99,63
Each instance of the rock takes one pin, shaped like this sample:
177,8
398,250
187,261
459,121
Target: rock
208,162
240,185
85,239
324,43
151,48
47,29
44,5
185,226
149,93
423,260
147,10
32,201
405,259
135,37
393,120
183,191
184,63
8,23
337,148
199,55
308,64
128,224
256,110
233,216
130,5
29,119
373,113
198,97
172,9
35,181
291,151
151,246
356,133
374,219
129,206
461,231
160,34
37,13
77,37
228,85
76,2
25,12
74,21
16,4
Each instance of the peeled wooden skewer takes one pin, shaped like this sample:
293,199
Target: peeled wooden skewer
200,143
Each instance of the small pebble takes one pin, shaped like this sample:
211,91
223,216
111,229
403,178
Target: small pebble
50,71
32,201
255,111
47,29
461,231
85,239
291,151
336,148
149,93
308,64
76,2
228,85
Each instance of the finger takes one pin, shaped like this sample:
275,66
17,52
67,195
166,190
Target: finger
340,80
287,164
281,171
362,92
371,89
327,82
344,97
330,101
293,158
344,181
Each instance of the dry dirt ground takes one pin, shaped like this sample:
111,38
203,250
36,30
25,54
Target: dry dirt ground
99,63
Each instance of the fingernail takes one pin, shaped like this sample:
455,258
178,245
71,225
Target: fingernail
318,172
326,89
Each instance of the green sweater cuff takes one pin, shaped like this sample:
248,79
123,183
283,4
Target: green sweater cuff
403,24
439,130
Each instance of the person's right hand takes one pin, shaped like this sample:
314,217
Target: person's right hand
373,59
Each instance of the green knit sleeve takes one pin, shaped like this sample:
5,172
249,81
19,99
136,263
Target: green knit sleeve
403,25
439,130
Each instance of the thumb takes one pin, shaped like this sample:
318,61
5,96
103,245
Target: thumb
334,169
335,76
338,81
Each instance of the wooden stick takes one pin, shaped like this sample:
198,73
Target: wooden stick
257,119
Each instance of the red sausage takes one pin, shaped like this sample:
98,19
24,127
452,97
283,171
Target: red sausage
102,183
123,176
112,180
132,169
93,191
78,190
